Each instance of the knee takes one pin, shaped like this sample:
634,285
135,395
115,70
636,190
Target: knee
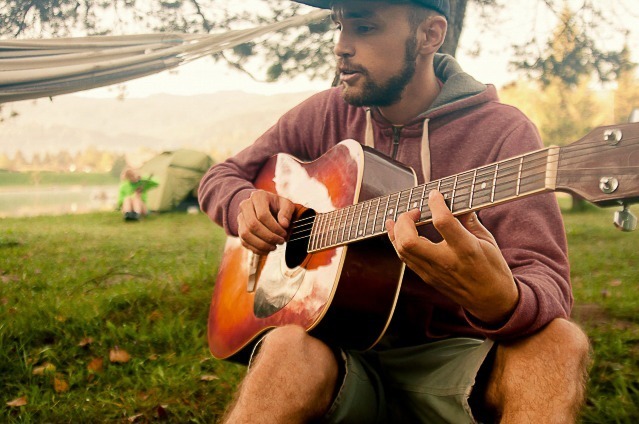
566,338
289,342
293,346
305,362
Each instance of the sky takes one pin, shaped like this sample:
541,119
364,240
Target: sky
491,65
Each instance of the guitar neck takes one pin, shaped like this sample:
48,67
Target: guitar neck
468,191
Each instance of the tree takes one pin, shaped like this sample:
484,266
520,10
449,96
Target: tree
305,50
564,106
627,94
572,51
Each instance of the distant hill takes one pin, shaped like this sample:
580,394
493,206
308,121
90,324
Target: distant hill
222,122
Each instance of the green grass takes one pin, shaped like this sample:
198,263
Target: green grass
8,178
145,288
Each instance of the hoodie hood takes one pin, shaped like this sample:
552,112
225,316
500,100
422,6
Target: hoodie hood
458,85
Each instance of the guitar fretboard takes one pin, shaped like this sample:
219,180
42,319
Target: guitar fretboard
465,192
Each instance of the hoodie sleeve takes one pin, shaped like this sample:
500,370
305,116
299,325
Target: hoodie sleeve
227,184
531,236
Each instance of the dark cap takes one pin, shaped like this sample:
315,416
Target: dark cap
441,6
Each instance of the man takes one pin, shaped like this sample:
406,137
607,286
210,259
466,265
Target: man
485,334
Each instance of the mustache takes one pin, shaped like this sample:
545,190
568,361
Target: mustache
343,66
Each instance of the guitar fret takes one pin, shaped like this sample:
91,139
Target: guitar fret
379,200
521,165
399,196
336,227
421,201
368,213
345,216
492,194
340,216
321,231
410,198
463,191
472,190
452,196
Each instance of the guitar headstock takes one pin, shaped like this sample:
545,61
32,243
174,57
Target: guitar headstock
602,167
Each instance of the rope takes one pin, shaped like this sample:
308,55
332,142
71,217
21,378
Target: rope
43,68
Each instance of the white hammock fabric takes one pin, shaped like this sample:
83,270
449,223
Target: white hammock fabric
43,68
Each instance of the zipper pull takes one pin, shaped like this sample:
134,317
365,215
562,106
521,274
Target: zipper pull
397,129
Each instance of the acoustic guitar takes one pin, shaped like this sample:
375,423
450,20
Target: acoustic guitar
322,278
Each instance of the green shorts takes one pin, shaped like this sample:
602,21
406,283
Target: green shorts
430,383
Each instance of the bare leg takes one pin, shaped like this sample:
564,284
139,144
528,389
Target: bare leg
291,380
138,204
127,205
542,378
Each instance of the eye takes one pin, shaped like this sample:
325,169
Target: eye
364,29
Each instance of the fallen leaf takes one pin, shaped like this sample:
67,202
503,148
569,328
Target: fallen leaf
9,278
134,418
21,401
615,283
119,355
185,288
209,377
96,365
4,301
155,316
60,385
46,367
85,341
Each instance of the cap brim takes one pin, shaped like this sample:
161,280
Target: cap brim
323,4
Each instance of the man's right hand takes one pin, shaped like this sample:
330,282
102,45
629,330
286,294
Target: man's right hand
263,221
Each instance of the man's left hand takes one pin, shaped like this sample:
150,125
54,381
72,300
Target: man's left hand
467,266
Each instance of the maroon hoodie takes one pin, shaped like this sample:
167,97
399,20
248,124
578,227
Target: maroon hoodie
466,127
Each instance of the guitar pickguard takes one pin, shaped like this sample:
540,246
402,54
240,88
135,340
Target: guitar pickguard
278,284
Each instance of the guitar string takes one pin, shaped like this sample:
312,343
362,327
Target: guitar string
401,197
490,171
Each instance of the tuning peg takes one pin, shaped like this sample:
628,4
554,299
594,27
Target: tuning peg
625,220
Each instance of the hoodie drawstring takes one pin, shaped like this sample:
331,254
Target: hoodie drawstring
426,152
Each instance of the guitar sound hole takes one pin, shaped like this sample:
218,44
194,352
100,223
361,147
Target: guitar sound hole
297,246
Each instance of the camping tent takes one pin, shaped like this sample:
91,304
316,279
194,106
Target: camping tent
178,173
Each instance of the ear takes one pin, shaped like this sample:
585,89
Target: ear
431,34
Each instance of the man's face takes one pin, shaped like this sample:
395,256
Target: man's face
376,51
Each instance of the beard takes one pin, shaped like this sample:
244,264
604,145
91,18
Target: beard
389,92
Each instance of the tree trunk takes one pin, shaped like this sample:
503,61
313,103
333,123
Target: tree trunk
455,25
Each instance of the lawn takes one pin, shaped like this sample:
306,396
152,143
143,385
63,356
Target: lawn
102,321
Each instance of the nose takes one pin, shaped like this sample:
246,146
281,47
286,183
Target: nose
343,45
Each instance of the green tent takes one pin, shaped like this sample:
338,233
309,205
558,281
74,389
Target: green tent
178,173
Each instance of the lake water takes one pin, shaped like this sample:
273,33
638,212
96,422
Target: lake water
56,200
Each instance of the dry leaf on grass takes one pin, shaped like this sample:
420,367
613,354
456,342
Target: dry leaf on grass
60,385
155,316
96,365
134,418
21,401
119,355
46,367
85,341
615,283
209,377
